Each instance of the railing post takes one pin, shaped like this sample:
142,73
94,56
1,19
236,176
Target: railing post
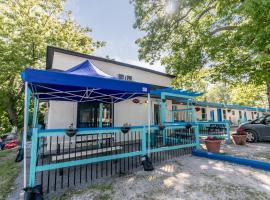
33,158
163,116
197,136
35,113
144,141
100,114
228,131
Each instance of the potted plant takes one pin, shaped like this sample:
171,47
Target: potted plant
213,144
125,128
240,137
71,131
161,127
197,109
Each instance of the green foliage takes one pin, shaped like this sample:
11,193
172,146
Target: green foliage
230,39
27,27
240,94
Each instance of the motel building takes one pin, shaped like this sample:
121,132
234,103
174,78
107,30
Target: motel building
134,110
106,117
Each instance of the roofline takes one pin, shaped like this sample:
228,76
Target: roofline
230,106
51,50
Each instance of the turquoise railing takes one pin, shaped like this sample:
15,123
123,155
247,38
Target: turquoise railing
112,144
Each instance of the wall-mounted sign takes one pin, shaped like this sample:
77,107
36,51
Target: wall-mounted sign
136,101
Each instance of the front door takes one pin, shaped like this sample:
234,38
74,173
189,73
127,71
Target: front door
219,115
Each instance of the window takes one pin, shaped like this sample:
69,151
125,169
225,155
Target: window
129,78
121,76
267,120
204,115
252,115
233,112
88,115
176,114
240,114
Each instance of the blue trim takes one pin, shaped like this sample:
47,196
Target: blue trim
233,159
176,93
172,147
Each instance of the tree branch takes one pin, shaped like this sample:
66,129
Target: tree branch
183,17
205,11
224,28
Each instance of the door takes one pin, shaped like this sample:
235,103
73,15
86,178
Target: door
156,114
245,116
219,115
212,115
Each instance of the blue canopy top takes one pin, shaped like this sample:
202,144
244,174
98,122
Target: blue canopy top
82,83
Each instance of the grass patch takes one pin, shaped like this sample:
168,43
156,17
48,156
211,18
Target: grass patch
9,170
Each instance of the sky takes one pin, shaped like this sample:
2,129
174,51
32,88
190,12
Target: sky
111,21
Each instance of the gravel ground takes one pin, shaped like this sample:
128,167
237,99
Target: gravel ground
190,177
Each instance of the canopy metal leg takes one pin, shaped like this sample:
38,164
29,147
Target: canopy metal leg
25,124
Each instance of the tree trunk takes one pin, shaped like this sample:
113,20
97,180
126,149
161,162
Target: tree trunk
11,110
268,93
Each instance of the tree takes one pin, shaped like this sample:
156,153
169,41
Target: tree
26,28
229,38
240,94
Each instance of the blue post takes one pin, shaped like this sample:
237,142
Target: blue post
196,128
35,113
144,141
163,108
163,117
100,114
33,159
197,136
228,141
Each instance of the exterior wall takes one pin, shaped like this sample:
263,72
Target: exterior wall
63,62
61,114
